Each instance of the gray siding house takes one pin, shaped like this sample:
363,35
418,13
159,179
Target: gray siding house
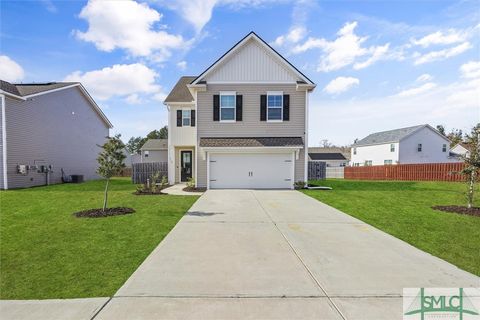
47,127
242,123
154,150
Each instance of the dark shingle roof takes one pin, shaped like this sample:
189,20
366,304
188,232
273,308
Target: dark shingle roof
180,92
252,142
327,156
8,87
155,144
26,89
387,136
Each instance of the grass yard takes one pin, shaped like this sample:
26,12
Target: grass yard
45,252
402,209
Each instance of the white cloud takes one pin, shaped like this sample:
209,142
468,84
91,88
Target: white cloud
294,35
128,25
182,65
451,36
134,98
344,50
424,78
49,6
119,80
417,90
441,54
161,96
470,69
341,84
10,70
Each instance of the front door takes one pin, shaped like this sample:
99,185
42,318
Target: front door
186,165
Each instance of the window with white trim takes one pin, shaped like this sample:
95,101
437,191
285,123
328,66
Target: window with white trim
444,147
354,150
392,147
387,162
274,106
186,120
368,162
227,106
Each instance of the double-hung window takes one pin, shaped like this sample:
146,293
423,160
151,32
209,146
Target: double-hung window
186,118
444,147
227,106
392,147
387,162
274,106
419,147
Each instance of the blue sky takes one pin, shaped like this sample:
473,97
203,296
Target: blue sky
378,65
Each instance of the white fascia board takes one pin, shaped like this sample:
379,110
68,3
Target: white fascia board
306,87
11,95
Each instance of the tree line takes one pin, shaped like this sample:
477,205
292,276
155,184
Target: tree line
135,143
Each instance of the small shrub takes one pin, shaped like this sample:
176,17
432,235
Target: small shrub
163,183
300,185
191,183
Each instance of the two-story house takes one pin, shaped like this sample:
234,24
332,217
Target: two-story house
241,123
417,144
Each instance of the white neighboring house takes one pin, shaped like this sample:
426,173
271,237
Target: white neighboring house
154,150
333,157
418,144
459,149
241,123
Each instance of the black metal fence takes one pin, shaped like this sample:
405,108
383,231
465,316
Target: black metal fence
317,170
143,171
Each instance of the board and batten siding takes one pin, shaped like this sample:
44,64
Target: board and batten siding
252,63
59,129
251,126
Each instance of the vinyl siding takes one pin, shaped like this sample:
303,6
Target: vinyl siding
1,150
251,126
59,129
252,63
155,156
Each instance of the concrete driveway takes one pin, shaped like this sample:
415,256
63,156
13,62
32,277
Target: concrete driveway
242,254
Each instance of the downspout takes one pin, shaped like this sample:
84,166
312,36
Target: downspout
306,138
4,142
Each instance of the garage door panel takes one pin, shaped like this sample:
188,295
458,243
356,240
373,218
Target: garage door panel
251,170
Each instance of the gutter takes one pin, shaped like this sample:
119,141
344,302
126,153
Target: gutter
4,142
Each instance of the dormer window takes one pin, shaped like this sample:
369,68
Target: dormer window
274,106
227,106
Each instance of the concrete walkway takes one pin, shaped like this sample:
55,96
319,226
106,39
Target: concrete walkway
242,254
177,190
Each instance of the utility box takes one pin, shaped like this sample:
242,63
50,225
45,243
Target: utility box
22,169
77,178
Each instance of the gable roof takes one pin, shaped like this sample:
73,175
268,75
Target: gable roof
388,136
238,45
23,91
327,156
180,92
155,144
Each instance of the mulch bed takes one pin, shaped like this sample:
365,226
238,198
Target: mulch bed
148,193
190,189
474,211
99,213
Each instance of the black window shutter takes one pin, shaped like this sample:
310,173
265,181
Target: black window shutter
216,107
286,107
239,110
192,118
263,107
179,118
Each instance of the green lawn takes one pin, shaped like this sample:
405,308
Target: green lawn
45,252
402,209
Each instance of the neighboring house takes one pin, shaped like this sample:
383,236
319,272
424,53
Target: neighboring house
333,157
46,127
241,123
131,158
154,150
460,149
418,144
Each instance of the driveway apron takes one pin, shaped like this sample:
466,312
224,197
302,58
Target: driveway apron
258,254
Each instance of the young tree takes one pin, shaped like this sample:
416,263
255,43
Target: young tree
110,161
455,136
472,162
441,129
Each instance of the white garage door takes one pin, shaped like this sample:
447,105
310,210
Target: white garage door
251,170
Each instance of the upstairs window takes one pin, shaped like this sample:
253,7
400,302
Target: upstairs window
274,106
419,147
354,150
444,148
392,147
146,153
186,118
227,106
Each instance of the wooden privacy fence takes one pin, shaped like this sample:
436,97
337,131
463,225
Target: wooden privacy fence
316,170
408,172
126,172
143,171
